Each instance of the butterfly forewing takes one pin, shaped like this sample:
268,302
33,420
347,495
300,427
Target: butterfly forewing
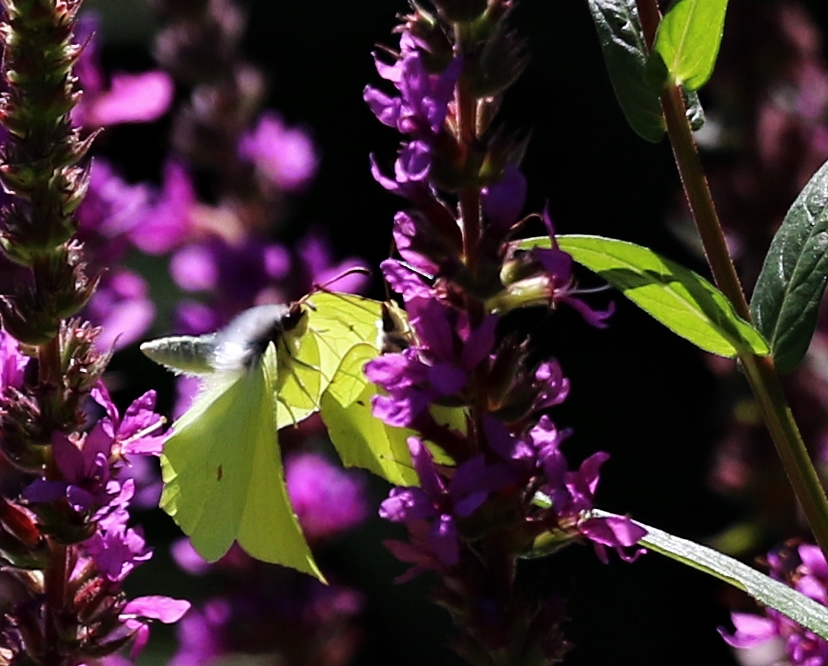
208,459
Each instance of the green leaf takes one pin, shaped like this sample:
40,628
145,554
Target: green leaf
625,53
765,590
786,299
680,299
688,40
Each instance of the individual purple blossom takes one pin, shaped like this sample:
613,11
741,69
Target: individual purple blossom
562,288
326,499
283,156
139,611
804,568
418,112
422,105
83,462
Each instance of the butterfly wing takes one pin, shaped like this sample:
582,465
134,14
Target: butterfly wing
223,478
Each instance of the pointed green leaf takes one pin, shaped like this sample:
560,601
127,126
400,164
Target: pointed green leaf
688,40
625,53
680,299
765,590
786,299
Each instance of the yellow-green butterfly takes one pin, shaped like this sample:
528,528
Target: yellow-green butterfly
270,367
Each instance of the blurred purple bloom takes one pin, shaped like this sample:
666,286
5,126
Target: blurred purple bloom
315,252
327,500
122,307
170,220
109,212
131,98
283,156
201,634
188,559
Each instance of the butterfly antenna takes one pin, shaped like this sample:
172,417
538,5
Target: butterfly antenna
354,270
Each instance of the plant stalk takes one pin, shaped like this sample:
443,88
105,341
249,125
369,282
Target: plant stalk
760,371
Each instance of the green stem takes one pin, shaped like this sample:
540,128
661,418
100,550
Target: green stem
760,372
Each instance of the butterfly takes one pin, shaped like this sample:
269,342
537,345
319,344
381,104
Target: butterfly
271,366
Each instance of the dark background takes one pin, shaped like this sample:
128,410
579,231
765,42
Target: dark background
638,392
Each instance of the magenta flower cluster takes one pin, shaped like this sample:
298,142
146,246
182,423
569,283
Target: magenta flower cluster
90,491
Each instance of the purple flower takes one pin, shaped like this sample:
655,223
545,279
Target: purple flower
171,220
558,266
437,502
138,612
83,462
326,499
422,105
418,112
137,432
122,307
115,548
504,200
438,367
804,568
12,362
130,98
283,156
